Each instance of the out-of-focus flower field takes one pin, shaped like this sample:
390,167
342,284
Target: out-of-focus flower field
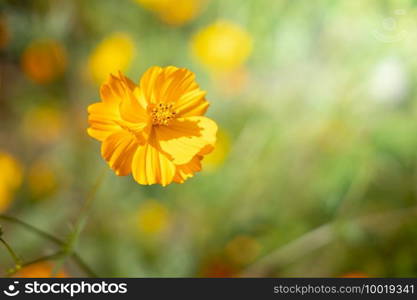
315,167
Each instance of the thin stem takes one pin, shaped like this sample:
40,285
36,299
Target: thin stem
70,244
40,232
35,261
80,262
17,260
317,238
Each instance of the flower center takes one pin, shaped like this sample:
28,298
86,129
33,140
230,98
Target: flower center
162,114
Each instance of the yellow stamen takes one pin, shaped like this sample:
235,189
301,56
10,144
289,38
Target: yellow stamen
162,113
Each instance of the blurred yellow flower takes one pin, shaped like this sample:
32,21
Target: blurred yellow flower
174,12
153,218
155,130
115,53
216,158
222,46
44,60
10,179
4,33
42,179
243,249
39,270
44,124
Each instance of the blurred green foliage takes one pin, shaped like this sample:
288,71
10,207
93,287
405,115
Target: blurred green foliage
319,177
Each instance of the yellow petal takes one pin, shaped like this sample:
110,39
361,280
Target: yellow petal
184,138
132,111
175,85
103,119
147,83
118,150
187,170
174,82
117,97
192,103
151,166
114,90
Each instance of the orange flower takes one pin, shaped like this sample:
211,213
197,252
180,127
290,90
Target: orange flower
44,60
39,270
355,275
155,130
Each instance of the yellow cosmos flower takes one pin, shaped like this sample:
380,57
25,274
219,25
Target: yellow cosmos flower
44,60
10,179
114,53
172,12
155,130
222,46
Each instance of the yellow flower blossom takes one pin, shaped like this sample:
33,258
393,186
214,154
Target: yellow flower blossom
176,12
115,53
39,270
10,179
155,130
153,218
222,46
44,60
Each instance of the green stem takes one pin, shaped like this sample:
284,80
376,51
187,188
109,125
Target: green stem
29,227
80,262
318,238
35,261
16,258
70,244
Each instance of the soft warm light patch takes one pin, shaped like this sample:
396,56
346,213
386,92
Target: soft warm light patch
222,46
114,53
44,60
175,13
10,179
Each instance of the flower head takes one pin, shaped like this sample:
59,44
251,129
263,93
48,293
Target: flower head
155,130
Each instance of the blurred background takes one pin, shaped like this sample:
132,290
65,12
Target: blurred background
315,169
